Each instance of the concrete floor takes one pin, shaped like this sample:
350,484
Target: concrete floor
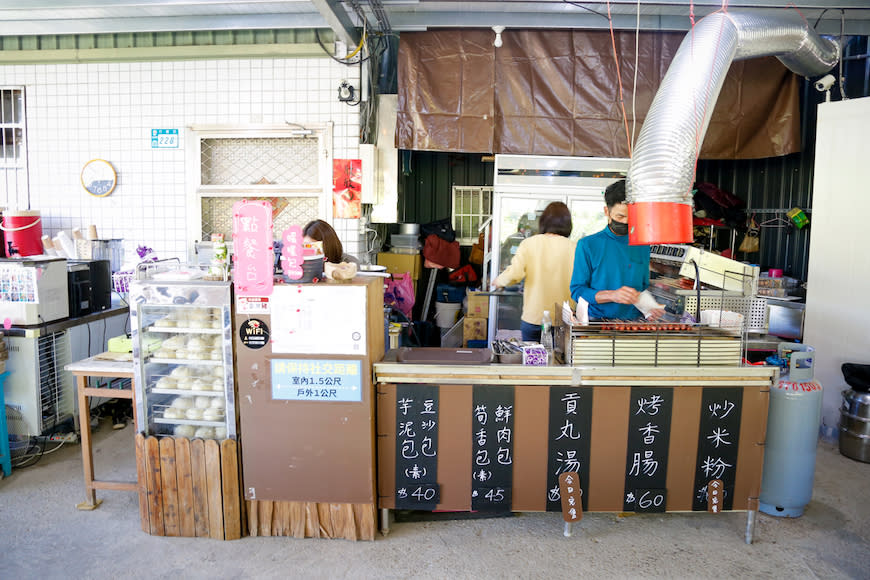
44,536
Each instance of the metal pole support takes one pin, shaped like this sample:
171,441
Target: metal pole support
569,530
385,521
750,525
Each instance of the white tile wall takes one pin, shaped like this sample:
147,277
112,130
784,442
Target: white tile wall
77,112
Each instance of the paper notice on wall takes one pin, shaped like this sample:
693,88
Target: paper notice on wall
319,319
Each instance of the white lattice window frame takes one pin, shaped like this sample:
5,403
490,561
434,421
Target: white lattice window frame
321,189
13,168
467,223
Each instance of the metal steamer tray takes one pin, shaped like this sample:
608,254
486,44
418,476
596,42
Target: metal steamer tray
620,343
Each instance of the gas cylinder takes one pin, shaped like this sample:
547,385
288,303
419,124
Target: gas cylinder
793,418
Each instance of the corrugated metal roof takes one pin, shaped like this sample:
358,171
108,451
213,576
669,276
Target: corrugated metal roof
40,17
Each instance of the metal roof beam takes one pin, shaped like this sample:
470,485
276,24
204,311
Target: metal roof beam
336,17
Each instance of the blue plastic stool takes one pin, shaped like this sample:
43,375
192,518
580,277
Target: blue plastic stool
5,458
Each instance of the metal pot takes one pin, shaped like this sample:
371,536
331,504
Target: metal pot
409,229
855,403
855,446
855,425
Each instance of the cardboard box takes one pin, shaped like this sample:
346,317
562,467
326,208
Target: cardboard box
473,329
478,306
401,263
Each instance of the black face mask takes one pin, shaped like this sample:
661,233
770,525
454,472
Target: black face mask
618,228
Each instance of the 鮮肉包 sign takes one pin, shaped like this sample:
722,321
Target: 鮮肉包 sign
316,380
164,138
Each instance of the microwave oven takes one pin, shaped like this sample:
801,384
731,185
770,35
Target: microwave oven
33,290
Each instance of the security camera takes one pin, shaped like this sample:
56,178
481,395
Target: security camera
825,83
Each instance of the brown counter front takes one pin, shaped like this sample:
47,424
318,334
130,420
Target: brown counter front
676,428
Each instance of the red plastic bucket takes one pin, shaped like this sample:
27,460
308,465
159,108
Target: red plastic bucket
659,222
22,231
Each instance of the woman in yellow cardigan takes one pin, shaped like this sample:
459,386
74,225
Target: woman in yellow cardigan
544,261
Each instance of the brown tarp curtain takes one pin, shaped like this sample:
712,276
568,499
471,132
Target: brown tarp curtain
554,92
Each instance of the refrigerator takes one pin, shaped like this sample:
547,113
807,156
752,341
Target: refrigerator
182,355
523,185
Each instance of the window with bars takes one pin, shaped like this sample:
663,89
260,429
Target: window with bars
283,168
472,205
13,147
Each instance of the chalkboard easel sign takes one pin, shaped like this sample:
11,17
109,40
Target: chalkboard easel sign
492,464
417,447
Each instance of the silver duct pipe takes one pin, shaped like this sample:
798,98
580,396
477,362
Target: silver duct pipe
662,171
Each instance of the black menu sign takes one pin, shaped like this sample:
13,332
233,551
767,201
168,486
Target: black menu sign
568,437
492,455
646,461
718,440
417,447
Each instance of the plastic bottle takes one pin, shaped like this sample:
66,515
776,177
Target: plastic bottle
547,336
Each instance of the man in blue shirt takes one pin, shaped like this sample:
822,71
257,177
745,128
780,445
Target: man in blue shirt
608,273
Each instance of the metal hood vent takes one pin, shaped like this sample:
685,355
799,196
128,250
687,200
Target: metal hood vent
662,171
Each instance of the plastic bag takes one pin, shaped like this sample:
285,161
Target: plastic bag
750,241
399,293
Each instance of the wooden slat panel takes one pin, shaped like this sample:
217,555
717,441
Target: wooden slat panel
312,520
531,417
609,442
186,524
231,490
343,525
213,479
155,489
280,509
323,513
683,447
364,515
170,489
297,519
454,446
199,484
386,445
141,470
266,509
253,517
750,455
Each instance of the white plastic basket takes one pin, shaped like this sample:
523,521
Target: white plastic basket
722,319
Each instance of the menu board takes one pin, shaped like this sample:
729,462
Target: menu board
252,248
417,447
718,443
569,437
492,463
319,319
646,462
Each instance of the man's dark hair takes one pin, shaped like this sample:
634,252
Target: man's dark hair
615,193
556,219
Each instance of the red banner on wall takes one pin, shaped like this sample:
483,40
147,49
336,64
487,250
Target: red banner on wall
346,188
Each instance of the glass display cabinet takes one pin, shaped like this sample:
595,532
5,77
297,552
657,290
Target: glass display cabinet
182,354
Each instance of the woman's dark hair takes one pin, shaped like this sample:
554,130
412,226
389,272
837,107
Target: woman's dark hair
615,193
320,231
556,219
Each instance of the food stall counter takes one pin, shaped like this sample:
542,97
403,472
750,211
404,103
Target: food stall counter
496,437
